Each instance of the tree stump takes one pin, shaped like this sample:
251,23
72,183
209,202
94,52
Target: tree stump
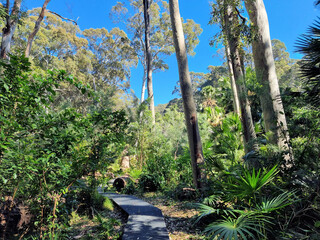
125,163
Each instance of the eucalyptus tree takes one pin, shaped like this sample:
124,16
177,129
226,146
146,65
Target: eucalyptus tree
36,27
112,55
97,57
270,99
218,17
226,14
236,102
146,11
10,26
287,69
161,42
56,40
191,119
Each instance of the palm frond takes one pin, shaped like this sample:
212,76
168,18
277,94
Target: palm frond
271,204
215,162
309,45
231,228
249,182
205,210
211,200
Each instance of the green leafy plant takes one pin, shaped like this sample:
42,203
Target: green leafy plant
242,227
43,153
240,209
106,227
248,183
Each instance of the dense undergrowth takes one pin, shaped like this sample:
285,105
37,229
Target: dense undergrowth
53,158
62,138
44,154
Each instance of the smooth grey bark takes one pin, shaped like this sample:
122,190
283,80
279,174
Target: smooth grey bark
36,28
144,79
146,9
233,35
271,103
10,27
190,113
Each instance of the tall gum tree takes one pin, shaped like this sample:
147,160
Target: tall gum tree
232,31
225,13
146,11
36,27
219,18
187,96
161,42
271,103
236,103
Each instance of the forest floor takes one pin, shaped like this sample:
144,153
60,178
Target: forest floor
109,225
178,215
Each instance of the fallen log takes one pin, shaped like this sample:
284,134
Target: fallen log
120,182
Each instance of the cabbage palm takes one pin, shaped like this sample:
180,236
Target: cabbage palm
246,184
241,211
243,224
246,226
309,45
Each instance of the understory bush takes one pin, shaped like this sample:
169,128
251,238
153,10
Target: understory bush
43,153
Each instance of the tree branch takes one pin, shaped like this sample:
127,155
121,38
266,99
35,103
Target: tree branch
239,14
68,19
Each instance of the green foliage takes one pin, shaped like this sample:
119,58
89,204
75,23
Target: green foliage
239,209
242,227
248,183
160,149
135,173
102,226
43,152
97,57
130,188
149,182
308,44
225,137
106,227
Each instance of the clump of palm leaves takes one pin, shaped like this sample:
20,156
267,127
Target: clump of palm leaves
243,206
308,44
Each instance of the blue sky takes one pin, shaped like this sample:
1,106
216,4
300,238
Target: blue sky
287,18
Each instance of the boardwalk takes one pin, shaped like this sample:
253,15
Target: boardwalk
145,221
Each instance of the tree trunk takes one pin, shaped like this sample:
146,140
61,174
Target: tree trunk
8,30
232,29
271,103
36,28
236,103
148,57
187,96
143,83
